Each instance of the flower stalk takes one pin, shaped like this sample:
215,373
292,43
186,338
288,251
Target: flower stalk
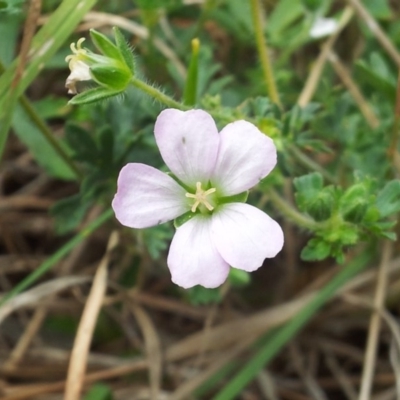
262,48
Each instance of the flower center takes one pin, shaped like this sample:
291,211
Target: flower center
200,197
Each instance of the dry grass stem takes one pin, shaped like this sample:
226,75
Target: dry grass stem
31,297
313,78
375,324
79,354
341,376
354,90
153,349
26,338
380,35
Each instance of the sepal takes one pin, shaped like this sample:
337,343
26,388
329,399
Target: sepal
93,95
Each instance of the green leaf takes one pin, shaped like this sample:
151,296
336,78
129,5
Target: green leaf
316,249
94,95
381,83
284,14
106,146
40,148
125,50
312,198
68,213
81,143
388,199
379,9
104,45
354,203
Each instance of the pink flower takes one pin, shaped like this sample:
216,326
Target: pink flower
209,169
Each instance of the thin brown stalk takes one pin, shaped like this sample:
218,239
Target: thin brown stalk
316,72
374,27
341,376
392,150
375,324
26,338
354,90
153,349
79,354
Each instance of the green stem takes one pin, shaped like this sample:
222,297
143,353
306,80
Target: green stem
290,213
56,257
262,48
158,95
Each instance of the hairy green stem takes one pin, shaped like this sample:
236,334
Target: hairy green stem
290,213
158,95
262,49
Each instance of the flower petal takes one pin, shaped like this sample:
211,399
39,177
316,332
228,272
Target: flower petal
147,197
188,143
193,258
245,157
245,236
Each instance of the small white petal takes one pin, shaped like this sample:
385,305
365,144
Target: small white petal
147,197
323,27
245,236
79,72
188,143
245,157
193,258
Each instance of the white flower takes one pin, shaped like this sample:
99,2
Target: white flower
79,68
210,170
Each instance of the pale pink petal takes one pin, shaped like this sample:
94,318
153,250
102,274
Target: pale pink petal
188,143
245,157
147,197
245,236
193,258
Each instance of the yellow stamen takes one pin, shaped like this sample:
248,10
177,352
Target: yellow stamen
200,197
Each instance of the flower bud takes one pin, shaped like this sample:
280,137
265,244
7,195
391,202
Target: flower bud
320,208
112,70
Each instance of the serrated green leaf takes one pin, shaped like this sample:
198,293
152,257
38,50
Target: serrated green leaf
93,95
125,50
104,45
